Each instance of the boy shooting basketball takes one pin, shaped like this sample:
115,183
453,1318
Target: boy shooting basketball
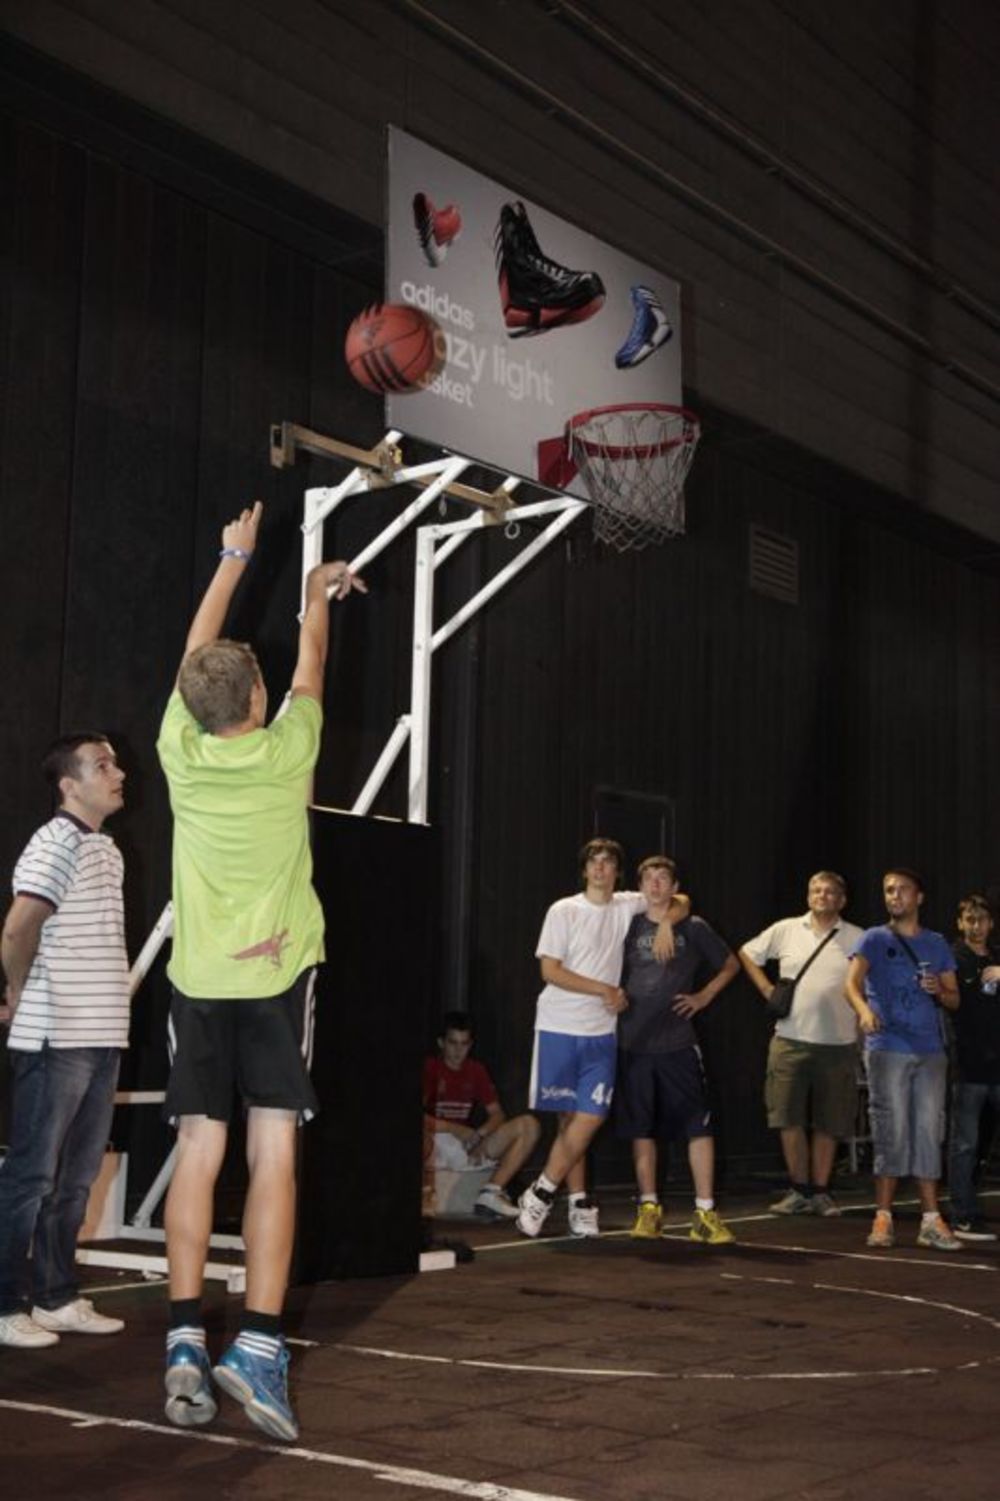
248,933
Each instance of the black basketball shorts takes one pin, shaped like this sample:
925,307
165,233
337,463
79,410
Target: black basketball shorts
259,1049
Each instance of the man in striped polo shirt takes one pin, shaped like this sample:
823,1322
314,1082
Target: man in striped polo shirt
67,1005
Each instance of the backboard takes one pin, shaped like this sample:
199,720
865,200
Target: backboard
540,320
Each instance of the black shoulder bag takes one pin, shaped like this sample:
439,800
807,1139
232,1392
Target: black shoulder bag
779,1002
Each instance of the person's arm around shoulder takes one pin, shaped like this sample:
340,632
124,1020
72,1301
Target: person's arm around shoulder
664,947
855,995
322,582
22,934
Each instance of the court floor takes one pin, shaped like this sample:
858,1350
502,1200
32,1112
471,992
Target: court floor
795,1363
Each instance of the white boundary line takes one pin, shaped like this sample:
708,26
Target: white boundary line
956,1261
396,1474
734,1376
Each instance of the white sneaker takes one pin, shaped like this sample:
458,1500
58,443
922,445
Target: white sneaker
21,1331
78,1317
533,1211
583,1220
493,1203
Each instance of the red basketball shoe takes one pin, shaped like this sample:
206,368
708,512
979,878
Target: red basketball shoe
537,294
437,228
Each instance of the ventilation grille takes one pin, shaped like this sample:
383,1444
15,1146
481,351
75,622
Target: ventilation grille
774,565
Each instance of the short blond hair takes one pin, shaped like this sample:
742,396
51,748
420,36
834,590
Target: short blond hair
216,681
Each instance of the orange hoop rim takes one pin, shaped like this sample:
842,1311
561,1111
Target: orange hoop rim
593,449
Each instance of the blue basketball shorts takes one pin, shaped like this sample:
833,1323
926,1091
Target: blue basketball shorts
573,1073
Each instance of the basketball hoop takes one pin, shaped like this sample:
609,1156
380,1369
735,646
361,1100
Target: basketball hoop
634,460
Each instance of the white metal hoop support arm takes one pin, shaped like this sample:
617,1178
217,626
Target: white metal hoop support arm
426,641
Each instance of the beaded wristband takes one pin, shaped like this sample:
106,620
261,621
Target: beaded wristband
235,552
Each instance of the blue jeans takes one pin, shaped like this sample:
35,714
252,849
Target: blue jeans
62,1101
906,1100
968,1101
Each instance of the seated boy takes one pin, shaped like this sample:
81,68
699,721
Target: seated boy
458,1088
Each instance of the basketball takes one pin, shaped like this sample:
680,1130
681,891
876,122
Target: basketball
391,347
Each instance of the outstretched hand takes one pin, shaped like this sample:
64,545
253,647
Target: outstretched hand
242,533
336,579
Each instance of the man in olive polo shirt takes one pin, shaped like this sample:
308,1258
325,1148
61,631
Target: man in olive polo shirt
812,1064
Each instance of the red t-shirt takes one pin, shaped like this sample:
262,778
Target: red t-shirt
450,1093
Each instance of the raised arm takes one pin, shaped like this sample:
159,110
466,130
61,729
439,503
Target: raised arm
239,538
324,580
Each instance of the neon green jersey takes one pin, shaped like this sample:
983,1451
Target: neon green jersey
246,918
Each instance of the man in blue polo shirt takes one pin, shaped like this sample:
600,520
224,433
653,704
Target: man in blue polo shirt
900,977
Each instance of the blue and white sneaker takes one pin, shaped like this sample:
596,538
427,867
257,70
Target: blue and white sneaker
188,1380
649,330
253,1376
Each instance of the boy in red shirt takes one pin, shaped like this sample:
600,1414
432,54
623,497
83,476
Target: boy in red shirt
457,1088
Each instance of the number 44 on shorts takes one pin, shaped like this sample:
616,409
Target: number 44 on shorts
602,1094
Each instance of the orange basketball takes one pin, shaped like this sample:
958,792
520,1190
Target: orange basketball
391,347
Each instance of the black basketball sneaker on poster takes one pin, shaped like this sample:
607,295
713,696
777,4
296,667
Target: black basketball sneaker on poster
536,293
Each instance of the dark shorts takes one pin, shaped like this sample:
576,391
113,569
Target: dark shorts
258,1049
812,1085
662,1095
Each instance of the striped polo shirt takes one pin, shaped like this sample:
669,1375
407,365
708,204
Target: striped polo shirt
76,993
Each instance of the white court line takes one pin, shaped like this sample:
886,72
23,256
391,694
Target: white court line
426,1480
120,1287
677,1232
644,1375
631,1373
955,1260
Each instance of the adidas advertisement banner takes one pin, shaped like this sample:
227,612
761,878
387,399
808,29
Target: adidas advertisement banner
536,319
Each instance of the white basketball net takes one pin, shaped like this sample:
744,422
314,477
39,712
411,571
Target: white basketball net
634,461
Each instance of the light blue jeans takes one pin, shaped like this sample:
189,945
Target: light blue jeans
62,1102
906,1102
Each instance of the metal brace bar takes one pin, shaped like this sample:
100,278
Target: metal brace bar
426,498
420,677
146,956
383,461
383,766
572,508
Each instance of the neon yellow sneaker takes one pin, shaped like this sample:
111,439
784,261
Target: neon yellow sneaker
709,1229
648,1222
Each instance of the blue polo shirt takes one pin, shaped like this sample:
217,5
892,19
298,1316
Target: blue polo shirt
910,1018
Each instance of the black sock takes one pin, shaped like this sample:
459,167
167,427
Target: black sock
261,1323
185,1313
805,1189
